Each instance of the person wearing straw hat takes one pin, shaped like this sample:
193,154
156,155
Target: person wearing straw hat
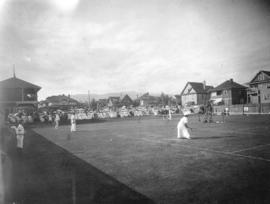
182,127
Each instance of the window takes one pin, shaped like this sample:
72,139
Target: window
219,93
261,77
267,97
213,94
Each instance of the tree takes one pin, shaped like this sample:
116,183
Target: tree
136,102
93,104
164,99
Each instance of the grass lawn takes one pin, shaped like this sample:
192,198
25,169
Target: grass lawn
222,163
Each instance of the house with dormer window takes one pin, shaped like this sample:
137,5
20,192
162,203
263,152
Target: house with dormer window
195,93
259,88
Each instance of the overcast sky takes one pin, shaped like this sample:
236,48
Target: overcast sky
71,46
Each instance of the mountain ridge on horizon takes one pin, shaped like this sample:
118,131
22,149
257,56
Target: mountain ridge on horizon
132,94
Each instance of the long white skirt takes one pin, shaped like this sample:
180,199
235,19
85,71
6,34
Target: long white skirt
20,141
183,132
73,127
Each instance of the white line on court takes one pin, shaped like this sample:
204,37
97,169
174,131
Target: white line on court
207,150
255,147
249,157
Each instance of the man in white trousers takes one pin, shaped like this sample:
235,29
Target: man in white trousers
19,136
169,114
73,122
56,120
182,127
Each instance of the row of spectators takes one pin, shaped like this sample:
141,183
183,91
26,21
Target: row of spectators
85,114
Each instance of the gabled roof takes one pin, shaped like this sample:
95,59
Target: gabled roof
15,82
114,98
262,71
126,98
60,99
102,100
198,87
149,99
229,84
147,96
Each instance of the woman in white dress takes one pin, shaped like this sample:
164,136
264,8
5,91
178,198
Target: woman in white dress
182,127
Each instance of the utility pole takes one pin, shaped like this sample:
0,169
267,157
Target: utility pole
89,104
259,101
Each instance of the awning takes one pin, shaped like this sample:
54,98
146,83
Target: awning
217,100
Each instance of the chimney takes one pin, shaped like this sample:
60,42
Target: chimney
204,85
231,80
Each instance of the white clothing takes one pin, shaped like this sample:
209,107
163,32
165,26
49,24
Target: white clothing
20,141
170,115
57,119
30,119
20,136
182,130
73,127
73,123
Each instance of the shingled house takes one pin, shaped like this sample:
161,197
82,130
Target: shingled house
195,93
126,101
61,102
16,93
148,100
259,91
113,102
229,93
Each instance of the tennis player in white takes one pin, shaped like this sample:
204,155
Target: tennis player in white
182,127
73,123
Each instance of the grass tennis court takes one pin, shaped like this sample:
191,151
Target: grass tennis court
222,163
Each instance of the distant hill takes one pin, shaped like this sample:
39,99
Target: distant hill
84,97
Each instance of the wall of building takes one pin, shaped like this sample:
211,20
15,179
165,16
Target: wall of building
243,108
239,96
226,95
11,98
202,98
264,89
231,97
265,92
18,94
11,94
253,99
189,98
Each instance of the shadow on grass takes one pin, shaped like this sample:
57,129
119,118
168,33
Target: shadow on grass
46,173
212,137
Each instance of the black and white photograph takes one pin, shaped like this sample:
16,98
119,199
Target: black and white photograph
134,101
